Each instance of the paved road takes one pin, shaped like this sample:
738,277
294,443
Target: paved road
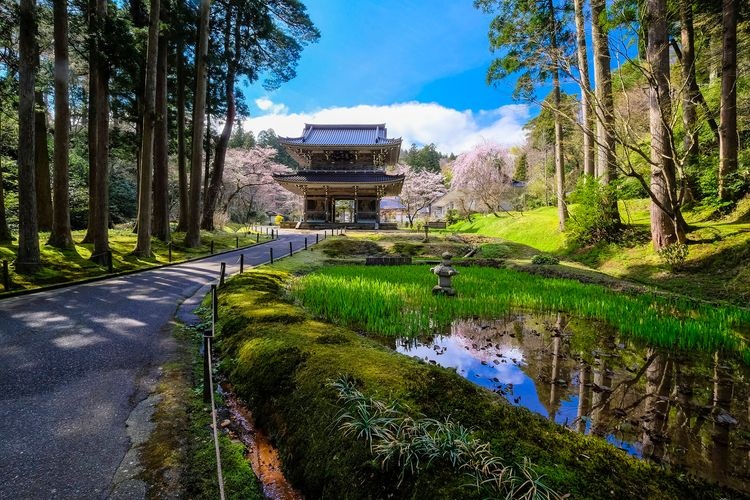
76,362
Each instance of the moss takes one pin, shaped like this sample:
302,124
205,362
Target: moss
344,246
283,369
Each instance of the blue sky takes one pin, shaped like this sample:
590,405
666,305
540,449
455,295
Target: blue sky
417,65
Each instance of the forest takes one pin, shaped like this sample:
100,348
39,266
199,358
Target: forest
130,113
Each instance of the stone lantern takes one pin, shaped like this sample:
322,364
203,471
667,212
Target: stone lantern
445,272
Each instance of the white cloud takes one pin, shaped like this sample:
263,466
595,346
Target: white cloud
422,123
266,104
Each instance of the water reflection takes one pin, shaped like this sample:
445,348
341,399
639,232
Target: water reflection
689,412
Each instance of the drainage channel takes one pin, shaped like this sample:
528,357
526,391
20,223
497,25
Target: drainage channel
263,457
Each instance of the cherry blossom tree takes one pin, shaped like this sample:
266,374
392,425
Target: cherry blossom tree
249,186
421,189
484,176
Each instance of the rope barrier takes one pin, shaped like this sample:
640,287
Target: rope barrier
213,421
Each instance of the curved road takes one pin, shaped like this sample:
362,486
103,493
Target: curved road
76,362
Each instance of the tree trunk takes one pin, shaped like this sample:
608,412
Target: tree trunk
61,236
217,175
28,260
605,122
93,24
181,153
207,157
160,222
143,245
193,236
583,69
5,235
41,164
689,96
658,388
728,140
665,226
562,209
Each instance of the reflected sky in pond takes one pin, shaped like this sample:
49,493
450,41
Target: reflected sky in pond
689,412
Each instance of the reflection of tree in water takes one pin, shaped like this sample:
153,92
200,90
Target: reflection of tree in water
680,409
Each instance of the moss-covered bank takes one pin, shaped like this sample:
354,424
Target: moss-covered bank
281,360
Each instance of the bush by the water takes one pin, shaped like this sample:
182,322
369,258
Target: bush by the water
343,247
591,221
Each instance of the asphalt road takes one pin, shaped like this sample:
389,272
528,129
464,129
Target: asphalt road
75,362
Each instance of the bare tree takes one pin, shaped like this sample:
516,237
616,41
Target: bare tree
28,260
61,236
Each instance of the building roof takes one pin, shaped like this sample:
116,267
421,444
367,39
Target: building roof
342,135
317,177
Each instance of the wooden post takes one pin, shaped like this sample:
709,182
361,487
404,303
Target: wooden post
316,237
242,263
305,243
270,250
222,272
214,307
6,276
290,249
169,250
257,237
110,267
236,242
206,377
212,247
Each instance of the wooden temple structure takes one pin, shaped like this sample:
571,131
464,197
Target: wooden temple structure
342,174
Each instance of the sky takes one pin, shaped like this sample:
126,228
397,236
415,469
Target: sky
418,66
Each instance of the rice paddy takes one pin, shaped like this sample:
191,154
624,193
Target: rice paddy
397,301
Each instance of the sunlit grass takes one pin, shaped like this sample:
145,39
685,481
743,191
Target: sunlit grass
64,265
397,301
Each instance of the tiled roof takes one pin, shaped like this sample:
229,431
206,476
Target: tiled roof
348,135
333,177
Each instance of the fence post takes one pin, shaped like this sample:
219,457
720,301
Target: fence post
257,237
214,307
290,249
242,263
169,249
236,242
305,242
212,247
207,346
223,270
110,267
426,231
6,276
270,250
316,237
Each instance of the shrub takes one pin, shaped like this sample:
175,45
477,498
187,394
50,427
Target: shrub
494,251
344,247
674,255
404,248
278,220
544,260
592,221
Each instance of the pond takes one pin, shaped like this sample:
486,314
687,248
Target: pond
688,412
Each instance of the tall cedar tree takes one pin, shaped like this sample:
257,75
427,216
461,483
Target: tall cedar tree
61,236
28,259
257,38
667,225
98,133
193,235
605,116
583,69
41,163
160,219
532,39
728,140
182,181
143,245
689,94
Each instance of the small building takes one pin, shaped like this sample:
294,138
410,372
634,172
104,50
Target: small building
342,175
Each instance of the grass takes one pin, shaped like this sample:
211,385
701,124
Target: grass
179,457
397,301
66,265
281,361
715,269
